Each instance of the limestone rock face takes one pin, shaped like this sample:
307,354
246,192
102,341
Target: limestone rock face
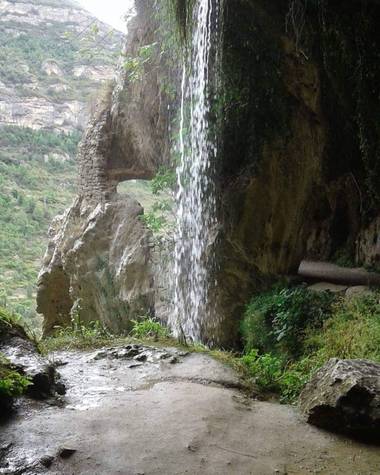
101,262
97,266
296,178
44,92
344,396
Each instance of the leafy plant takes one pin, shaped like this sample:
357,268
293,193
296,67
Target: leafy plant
134,66
266,369
277,320
296,375
148,328
165,179
12,383
153,221
324,327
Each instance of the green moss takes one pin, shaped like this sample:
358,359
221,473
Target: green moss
183,10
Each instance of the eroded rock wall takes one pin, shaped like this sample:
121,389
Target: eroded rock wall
102,262
298,161
42,86
298,157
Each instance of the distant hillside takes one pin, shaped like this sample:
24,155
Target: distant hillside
54,58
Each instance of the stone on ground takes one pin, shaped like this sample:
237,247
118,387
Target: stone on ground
344,396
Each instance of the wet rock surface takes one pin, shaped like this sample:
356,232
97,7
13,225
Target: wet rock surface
23,355
136,409
344,396
42,373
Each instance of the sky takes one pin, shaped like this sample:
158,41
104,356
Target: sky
109,11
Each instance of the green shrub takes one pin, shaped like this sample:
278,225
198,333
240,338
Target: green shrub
154,222
9,321
321,325
266,369
165,179
296,375
149,328
12,383
276,321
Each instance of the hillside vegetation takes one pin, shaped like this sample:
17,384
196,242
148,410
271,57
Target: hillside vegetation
54,57
37,176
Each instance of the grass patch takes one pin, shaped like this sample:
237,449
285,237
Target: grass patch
149,328
89,335
290,333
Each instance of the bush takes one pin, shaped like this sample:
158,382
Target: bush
266,369
10,323
322,326
276,320
12,383
296,375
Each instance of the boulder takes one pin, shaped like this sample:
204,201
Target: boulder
23,355
344,396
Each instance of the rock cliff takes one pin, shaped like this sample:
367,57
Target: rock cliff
101,263
298,174
51,62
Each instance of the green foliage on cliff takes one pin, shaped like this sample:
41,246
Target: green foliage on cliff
317,325
27,46
182,10
164,180
134,66
12,382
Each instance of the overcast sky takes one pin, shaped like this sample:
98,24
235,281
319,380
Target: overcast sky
109,11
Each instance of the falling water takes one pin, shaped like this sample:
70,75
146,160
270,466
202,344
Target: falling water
196,204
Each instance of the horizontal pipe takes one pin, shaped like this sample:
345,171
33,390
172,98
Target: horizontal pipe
328,272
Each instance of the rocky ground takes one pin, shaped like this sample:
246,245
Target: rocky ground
141,410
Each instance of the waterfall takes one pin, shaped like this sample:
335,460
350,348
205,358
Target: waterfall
196,202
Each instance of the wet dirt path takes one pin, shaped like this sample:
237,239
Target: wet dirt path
140,410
